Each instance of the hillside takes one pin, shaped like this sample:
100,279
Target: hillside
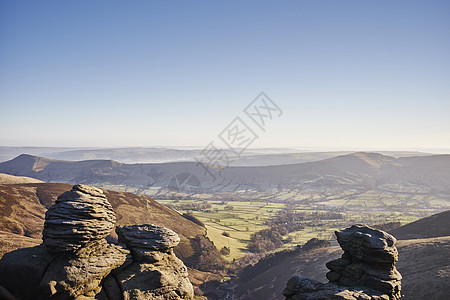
363,170
251,157
23,207
436,225
423,264
417,185
9,179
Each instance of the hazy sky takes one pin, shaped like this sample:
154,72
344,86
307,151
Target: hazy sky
347,74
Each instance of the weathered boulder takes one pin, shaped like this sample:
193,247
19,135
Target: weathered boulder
366,270
79,217
80,274
156,273
21,266
369,260
147,237
76,262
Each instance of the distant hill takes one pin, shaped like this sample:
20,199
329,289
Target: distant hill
423,174
433,226
8,179
251,157
23,207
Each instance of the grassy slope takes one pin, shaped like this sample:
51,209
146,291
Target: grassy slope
10,179
433,226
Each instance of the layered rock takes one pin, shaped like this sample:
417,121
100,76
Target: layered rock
303,288
79,217
366,270
80,274
156,273
144,238
76,262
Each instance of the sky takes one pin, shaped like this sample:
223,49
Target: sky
345,74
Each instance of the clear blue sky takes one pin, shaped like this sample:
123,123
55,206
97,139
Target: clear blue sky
355,74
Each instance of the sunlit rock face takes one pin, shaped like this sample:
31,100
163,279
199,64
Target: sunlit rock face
76,262
79,217
156,273
366,270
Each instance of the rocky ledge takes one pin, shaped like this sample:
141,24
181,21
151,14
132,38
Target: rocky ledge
366,269
76,262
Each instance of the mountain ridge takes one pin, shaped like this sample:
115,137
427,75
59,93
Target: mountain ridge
363,169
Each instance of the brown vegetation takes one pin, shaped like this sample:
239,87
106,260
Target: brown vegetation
23,207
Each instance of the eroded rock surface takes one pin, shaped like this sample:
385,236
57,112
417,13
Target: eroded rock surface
79,217
366,270
76,262
81,273
156,273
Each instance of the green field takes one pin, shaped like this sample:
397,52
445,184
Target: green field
233,228
246,218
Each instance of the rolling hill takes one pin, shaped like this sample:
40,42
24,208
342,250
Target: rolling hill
8,179
251,156
422,175
436,225
358,168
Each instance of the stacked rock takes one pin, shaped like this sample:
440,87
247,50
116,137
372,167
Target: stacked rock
366,270
79,217
156,273
76,262
147,237
369,260
75,258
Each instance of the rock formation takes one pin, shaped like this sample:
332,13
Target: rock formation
76,262
156,273
79,217
366,270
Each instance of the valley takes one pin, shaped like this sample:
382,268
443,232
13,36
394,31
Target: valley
314,198
231,224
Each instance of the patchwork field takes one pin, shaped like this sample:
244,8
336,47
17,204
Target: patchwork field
231,224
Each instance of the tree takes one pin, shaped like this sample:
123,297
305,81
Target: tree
228,207
225,251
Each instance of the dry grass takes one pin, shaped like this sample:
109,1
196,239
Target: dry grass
23,207
10,179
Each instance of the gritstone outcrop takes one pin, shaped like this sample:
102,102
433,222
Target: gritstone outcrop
155,273
366,270
76,262
78,217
